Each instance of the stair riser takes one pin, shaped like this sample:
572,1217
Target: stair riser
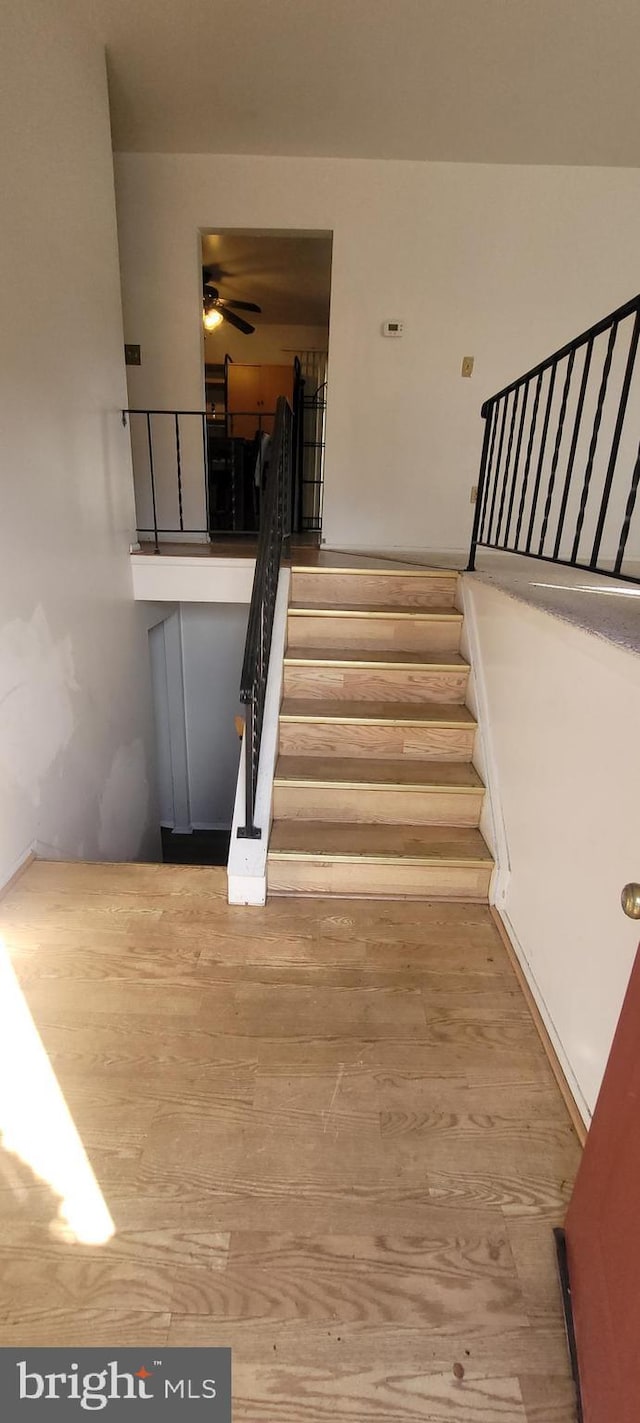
379,633
359,684
388,589
375,806
422,743
377,881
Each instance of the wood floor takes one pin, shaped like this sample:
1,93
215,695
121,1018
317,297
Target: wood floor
325,1132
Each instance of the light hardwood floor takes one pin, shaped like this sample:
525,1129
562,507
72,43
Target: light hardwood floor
325,1131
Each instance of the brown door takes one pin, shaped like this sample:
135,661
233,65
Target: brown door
603,1234
252,396
244,393
276,381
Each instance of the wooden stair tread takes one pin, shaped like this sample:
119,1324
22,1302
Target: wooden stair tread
393,713
375,610
417,844
376,796
359,772
373,657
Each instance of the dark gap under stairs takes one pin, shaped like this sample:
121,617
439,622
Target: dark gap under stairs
201,847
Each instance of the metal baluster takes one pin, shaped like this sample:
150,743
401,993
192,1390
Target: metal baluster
543,442
574,446
247,831
179,468
594,440
507,462
527,466
628,514
622,410
153,484
556,451
514,480
205,453
491,420
497,473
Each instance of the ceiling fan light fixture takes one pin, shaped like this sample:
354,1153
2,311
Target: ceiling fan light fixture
211,318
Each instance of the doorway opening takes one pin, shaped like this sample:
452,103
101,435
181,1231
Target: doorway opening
196,652
265,334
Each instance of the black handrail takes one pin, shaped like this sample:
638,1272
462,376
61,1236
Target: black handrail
589,408
275,528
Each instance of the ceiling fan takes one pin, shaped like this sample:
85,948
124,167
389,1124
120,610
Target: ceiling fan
216,308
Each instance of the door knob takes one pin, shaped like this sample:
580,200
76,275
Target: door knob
630,900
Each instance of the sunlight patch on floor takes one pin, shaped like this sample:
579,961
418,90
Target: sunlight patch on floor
592,588
35,1122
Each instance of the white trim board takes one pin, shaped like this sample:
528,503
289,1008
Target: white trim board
171,578
453,559
19,865
492,819
176,536
556,1043
247,867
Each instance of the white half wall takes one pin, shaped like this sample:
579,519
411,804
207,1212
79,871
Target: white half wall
247,866
559,710
172,578
76,734
501,262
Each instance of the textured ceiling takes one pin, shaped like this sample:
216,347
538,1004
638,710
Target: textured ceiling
522,81
289,277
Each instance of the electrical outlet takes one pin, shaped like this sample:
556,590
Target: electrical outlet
467,366
474,494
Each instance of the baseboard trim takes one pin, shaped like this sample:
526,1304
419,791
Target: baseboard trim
455,560
549,1050
8,885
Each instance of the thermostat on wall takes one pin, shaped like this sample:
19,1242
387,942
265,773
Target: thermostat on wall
392,328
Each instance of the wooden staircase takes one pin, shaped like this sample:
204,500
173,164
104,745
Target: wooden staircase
374,790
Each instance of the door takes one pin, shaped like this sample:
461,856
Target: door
252,396
244,393
276,381
603,1234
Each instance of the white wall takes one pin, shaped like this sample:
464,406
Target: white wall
75,709
269,343
560,710
500,262
197,660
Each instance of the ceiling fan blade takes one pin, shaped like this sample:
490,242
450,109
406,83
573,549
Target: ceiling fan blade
239,305
237,321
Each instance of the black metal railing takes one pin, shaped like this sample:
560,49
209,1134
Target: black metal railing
195,473
275,528
309,411
313,448
560,463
